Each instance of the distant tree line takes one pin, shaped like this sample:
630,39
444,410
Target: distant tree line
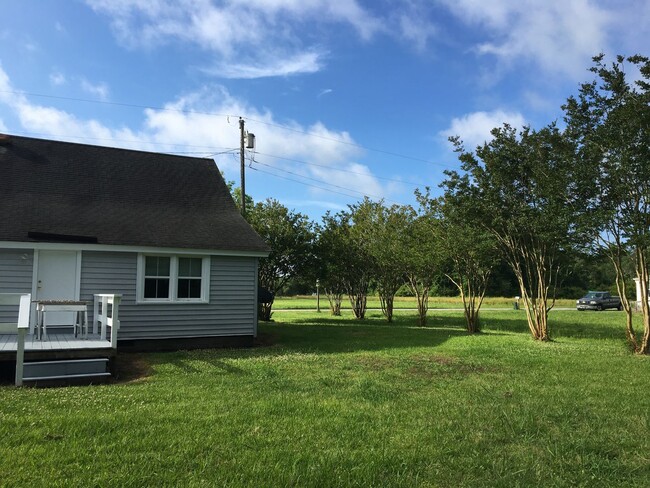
538,213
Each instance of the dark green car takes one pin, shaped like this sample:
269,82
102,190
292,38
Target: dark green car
598,300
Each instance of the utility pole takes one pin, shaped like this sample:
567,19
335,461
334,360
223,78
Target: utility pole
242,173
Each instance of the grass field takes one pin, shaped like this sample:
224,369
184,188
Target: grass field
309,302
335,402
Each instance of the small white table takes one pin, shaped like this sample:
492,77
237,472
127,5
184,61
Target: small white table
80,324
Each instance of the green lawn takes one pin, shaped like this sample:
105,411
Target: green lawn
310,302
335,402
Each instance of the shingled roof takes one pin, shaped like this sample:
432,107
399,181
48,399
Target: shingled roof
67,192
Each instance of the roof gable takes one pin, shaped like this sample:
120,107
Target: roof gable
116,196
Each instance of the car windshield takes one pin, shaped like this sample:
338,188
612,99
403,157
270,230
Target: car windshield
591,294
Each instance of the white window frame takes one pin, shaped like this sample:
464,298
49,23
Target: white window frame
173,279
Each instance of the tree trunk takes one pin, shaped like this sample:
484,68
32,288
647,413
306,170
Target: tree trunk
471,318
536,313
358,302
621,286
421,292
386,301
334,300
642,274
265,311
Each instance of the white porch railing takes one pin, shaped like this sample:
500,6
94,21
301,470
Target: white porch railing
24,302
106,314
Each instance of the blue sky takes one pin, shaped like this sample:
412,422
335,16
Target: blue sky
346,98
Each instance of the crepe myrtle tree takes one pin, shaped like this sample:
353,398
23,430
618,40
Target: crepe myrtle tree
329,245
422,263
290,237
467,249
521,185
358,262
380,231
609,121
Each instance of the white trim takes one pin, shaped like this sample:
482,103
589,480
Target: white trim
256,318
77,285
60,246
173,280
32,315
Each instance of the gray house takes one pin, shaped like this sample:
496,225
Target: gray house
159,231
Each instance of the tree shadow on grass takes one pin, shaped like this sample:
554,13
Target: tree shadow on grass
567,324
329,335
324,334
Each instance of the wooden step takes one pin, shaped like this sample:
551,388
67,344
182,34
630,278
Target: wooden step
66,369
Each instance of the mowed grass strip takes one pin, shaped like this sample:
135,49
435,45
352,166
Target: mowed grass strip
338,402
310,302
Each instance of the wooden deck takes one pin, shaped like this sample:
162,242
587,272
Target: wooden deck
55,341
56,346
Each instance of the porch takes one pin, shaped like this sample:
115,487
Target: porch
55,342
62,351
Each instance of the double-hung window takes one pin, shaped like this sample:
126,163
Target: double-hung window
173,278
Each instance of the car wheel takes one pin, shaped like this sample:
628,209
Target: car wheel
619,308
599,308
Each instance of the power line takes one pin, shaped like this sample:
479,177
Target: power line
340,169
118,104
270,124
348,143
319,181
210,149
303,183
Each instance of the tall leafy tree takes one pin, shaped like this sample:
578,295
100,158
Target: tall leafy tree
390,252
380,231
422,265
610,122
289,235
520,183
330,246
358,260
467,248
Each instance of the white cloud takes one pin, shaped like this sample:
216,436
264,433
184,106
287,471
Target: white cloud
206,121
99,90
268,35
559,35
309,62
474,129
255,30
3,127
323,92
57,78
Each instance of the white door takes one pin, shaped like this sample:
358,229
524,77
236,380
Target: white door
57,280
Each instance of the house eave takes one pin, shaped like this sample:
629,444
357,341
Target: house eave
65,246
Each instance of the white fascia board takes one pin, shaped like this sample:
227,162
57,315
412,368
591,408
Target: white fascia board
64,246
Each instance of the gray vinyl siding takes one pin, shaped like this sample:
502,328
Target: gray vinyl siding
231,311
16,269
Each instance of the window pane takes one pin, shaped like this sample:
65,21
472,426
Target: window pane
189,288
183,288
151,266
197,265
163,266
195,289
183,267
156,266
163,288
189,267
150,288
156,288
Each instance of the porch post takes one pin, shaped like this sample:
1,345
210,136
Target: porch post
23,326
115,325
95,313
